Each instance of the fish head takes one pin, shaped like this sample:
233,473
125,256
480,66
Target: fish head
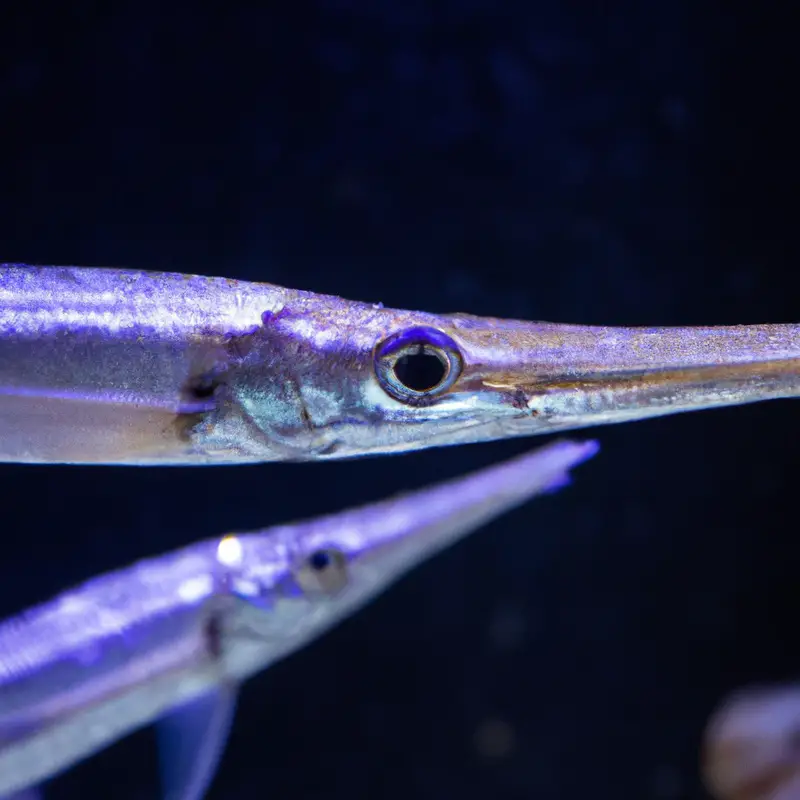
332,379
299,579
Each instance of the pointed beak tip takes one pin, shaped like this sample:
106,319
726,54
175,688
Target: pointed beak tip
591,447
584,450
574,453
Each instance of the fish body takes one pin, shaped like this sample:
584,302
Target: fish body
111,366
107,366
171,638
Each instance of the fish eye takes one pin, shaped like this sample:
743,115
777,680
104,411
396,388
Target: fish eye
322,571
417,365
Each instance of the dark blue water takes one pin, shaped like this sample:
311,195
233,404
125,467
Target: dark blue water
622,163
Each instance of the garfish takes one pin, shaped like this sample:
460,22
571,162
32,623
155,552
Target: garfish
170,639
113,366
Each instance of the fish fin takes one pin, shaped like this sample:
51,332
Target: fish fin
34,793
191,740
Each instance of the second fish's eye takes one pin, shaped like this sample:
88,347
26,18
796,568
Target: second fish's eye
417,365
322,571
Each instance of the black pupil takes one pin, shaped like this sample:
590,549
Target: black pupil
320,560
420,370
203,388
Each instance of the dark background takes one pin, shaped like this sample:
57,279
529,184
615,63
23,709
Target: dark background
615,163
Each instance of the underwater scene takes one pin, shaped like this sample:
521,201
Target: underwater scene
398,400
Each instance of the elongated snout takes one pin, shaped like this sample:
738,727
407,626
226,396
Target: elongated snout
565,376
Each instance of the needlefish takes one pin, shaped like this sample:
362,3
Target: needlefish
111,366
170,639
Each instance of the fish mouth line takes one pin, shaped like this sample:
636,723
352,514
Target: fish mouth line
676,376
